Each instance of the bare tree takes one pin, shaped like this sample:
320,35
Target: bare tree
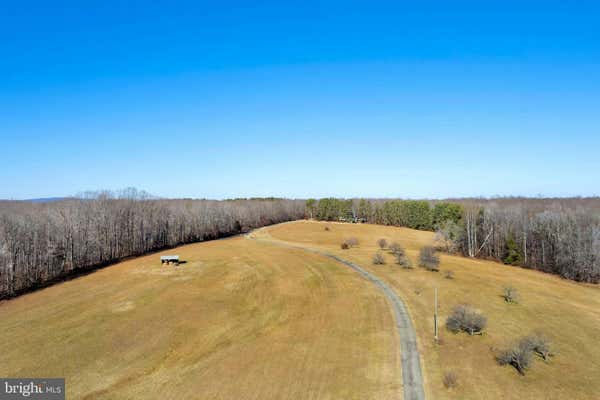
403,260
518,355
428,259
396,249
378,258
450,380
511,295
352,242
465,318
539,344
41,242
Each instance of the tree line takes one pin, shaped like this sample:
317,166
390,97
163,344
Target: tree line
559,236
416,214
42,242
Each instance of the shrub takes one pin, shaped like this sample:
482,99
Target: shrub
450,380
518,355
449,274
382,243
428,259
403,260
327,228
348,243
396,249
539,344
511,295
465,318
378,259
352,241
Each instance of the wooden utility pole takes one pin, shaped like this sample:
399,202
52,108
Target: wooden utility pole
435,321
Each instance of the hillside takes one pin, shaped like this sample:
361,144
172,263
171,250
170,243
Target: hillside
567,312
238,320
249,317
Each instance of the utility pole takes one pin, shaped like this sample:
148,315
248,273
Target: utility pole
435,321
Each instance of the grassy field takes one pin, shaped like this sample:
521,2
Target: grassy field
567,312
239,320
245,319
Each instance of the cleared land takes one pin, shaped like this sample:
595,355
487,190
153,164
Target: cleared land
568,312
245,319
239,320
412,378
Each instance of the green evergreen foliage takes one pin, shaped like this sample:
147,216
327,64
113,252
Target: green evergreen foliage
311,207
512,251
365,210
331,209
443,212
415,214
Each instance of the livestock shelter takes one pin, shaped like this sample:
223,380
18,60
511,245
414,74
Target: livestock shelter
171,259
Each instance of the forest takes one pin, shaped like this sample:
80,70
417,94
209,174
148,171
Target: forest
45,242
555,235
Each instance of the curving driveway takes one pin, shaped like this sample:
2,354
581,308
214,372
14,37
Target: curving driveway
412,379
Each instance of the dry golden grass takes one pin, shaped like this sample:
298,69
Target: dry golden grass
240,320
568,312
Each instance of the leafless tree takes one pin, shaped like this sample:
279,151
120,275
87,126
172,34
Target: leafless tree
555,235
378,258
465,318
539,344
43,242
450,380
511,295
352,242
428,259
518,355
403,260
396,249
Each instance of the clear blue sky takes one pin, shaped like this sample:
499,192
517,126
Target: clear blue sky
300,99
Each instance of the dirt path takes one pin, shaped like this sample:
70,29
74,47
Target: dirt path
412,378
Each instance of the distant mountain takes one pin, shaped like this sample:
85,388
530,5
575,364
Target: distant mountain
45,199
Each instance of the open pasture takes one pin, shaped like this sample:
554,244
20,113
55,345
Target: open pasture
238,320
567,312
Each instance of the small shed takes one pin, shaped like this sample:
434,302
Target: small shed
169,259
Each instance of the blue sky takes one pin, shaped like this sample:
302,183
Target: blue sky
302,99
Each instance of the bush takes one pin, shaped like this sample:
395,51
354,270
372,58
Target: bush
449,274
428,259
517,355
465,318
378,259
327,228
538,344
403,260
382,243
396,249
511,295
352,241
450,380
